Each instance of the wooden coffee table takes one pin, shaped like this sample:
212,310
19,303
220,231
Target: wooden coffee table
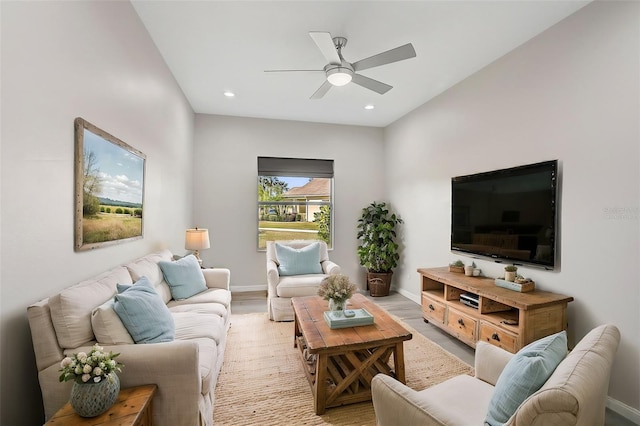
341,363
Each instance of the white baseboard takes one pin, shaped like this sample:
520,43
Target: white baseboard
410,296
247,288
624,410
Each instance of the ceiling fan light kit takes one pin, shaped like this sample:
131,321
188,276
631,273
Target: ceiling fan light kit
339,76
339,72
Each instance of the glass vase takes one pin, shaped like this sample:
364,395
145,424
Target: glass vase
336,305
92,399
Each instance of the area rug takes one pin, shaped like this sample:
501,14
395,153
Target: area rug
262,381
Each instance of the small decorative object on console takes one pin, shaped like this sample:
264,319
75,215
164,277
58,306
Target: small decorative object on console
457,266
510,272
525,285
468,270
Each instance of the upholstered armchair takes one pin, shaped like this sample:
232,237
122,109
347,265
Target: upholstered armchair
295,268
575,393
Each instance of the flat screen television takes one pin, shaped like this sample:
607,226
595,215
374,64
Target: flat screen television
507,215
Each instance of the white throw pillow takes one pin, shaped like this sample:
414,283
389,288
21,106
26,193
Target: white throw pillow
107,327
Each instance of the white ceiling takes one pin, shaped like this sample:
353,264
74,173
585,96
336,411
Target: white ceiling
214,46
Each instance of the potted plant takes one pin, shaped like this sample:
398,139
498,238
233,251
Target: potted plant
457,266
377,249
510,272
95,382
337,289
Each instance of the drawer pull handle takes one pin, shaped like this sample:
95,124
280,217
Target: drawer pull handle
460,322
495,336
431,307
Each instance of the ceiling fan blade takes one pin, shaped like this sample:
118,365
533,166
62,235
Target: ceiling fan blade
325,43
371,84
322,90
293,70
394,55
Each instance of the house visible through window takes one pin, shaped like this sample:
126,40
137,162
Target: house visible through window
295,199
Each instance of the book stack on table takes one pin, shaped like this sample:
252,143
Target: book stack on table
337,319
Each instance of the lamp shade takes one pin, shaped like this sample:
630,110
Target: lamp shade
196,239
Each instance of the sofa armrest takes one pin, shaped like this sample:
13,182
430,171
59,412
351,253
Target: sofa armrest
174,367
490,361
273,278
330,268
217,277
397,404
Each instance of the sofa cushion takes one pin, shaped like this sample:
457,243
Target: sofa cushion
107,327
299,261
212,295
71,308
205,308
524,374
193,325
184,277
143,313
147,266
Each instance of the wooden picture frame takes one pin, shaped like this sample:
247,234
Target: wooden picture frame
109,188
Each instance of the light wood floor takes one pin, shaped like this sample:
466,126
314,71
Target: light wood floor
409,312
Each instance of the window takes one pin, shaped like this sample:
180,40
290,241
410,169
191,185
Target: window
295,200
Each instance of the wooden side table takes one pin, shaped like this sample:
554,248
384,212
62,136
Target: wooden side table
134,407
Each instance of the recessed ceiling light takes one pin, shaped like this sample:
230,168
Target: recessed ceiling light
369,106
229,94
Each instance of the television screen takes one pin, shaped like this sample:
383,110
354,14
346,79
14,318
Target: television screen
508,215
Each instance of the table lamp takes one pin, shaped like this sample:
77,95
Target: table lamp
197,239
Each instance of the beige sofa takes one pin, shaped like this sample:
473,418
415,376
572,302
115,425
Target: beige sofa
280,289
575,394
185,369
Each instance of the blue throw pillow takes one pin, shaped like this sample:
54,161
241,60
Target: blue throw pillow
305,260
143,313
524,374
184,277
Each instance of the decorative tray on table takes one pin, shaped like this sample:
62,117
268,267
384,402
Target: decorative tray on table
522,288
337,319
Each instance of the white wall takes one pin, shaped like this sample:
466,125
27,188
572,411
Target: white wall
225,185
61,60
570,94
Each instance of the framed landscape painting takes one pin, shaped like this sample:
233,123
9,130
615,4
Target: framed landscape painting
109,188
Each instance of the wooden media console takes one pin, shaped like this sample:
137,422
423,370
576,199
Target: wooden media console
504,318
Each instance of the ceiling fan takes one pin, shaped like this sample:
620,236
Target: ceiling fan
340,72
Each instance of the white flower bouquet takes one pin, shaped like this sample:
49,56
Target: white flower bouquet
336,287
89,368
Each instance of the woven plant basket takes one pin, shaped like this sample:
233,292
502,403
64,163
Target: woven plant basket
379,284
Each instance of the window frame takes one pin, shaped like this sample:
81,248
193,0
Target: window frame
296,168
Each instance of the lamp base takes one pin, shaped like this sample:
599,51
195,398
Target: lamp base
197,255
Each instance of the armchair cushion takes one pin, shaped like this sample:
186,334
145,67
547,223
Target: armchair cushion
143,313
299,261
524,374
184,277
